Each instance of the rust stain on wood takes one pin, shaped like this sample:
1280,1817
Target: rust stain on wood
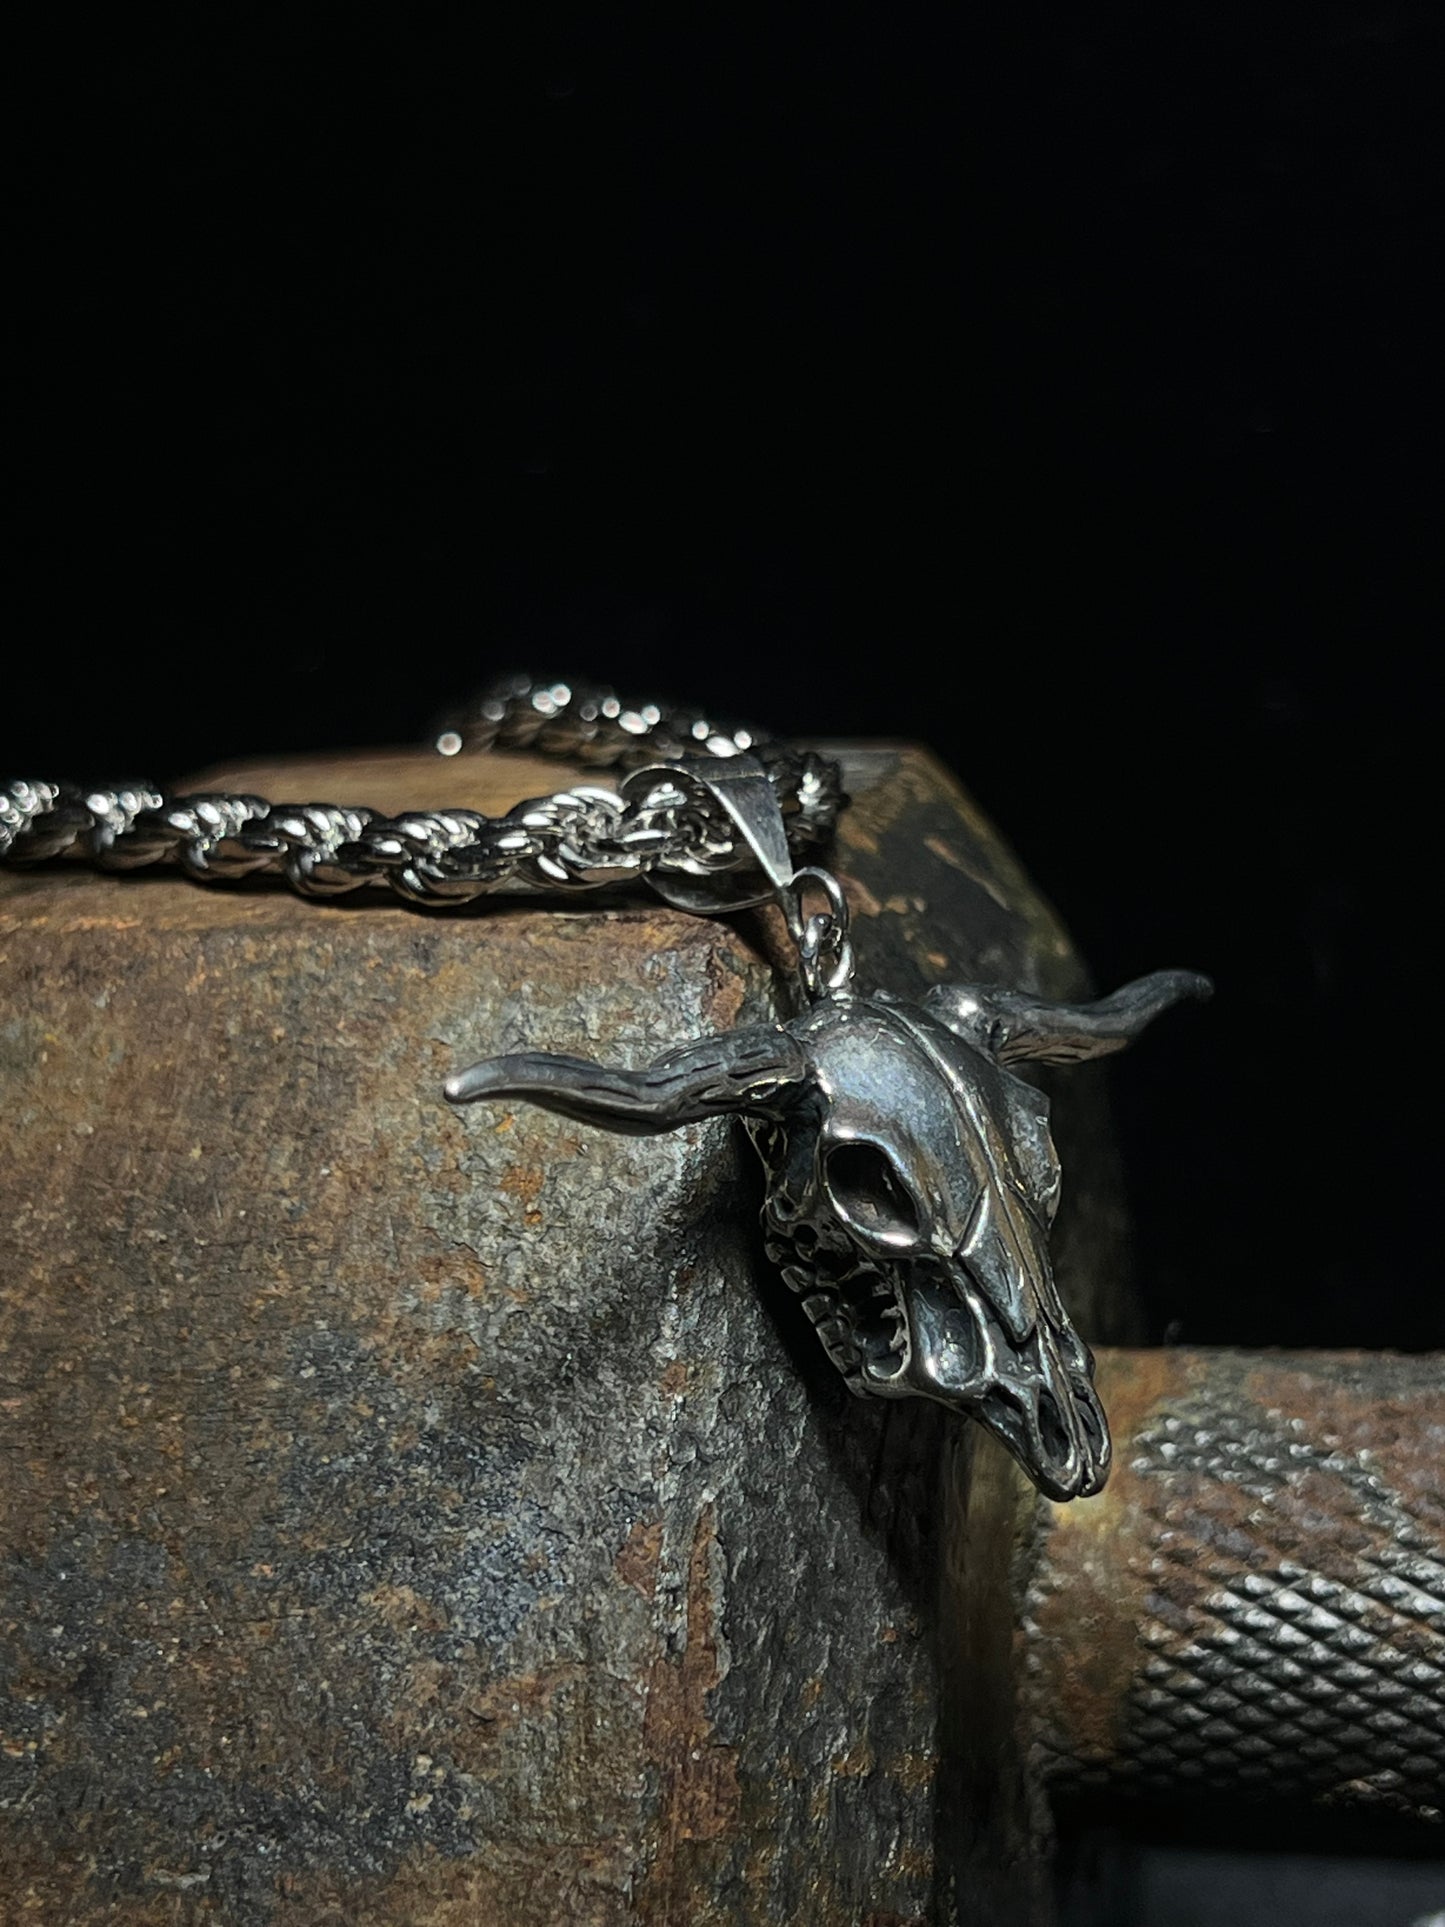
523,1182
673,1382
700,1792
506,1702
636,1562
856,1763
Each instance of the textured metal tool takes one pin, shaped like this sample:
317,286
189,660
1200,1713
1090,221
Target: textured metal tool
1256,1608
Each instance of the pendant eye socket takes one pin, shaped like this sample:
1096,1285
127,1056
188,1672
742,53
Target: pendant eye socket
869,1194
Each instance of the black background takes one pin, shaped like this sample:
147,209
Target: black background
1057,385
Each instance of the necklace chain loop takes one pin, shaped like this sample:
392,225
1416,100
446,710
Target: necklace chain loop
582,838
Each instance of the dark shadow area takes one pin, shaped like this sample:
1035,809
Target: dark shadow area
1111,1882
1225,1864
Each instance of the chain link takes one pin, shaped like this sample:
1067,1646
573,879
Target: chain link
577,839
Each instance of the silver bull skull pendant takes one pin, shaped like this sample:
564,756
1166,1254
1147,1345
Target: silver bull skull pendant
911,1178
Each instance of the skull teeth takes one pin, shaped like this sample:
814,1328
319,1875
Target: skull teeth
839,1347
856,1312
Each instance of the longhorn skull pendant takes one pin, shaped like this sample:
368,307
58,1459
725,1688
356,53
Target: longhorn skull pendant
910,1176
911,1182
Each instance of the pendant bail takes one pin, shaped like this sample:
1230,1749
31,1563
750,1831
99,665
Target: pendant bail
740,787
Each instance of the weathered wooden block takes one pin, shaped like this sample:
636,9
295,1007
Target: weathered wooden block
420,1517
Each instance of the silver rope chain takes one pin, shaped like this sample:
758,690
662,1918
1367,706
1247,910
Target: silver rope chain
654,823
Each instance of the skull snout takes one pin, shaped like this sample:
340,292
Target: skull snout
976,1326
1060,1438
1035,1393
